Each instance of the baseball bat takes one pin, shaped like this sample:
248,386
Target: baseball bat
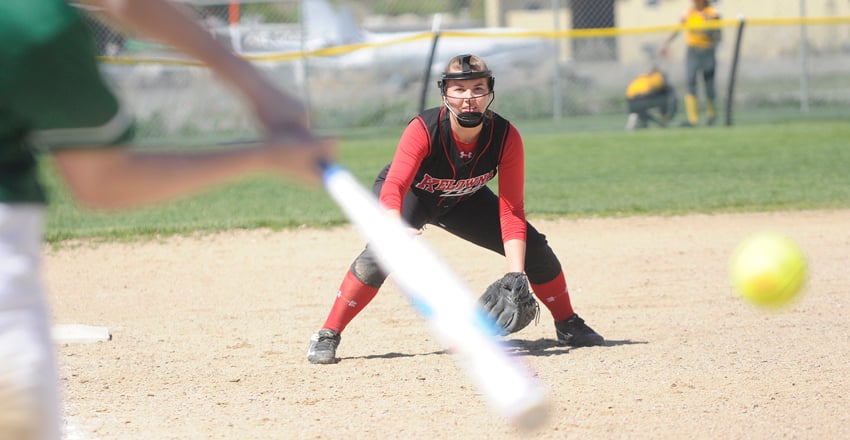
449,307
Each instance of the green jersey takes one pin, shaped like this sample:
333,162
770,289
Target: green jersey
52,94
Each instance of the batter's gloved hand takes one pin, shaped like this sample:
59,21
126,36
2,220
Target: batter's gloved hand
510,303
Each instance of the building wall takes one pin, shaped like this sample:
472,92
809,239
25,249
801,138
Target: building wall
763,41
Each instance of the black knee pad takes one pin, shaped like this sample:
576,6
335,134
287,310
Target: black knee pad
541,263
366,268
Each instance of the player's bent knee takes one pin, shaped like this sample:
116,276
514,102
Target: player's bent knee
366,269
541,263
542,271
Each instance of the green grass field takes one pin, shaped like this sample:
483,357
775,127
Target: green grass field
570,171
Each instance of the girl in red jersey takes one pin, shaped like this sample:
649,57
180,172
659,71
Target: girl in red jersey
438,176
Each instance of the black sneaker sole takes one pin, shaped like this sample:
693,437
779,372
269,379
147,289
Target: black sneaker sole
581,342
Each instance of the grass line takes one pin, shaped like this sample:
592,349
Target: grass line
795,165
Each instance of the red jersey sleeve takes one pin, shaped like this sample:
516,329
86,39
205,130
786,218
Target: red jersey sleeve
412,148
512,188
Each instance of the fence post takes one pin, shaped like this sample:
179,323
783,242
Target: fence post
557,98
734,69
302,70
233,19
804,61
435,29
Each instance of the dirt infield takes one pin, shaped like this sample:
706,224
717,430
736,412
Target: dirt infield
210,335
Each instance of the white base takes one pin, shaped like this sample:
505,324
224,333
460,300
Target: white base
79,333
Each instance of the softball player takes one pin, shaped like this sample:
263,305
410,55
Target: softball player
51,94
650,97
701,58
438,176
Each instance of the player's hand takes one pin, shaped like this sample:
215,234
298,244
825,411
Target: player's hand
278,111
410,229
298,153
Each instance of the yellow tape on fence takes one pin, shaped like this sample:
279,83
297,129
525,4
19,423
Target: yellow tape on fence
796,21
513,34
281,56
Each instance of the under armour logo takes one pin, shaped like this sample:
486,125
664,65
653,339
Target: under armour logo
465,156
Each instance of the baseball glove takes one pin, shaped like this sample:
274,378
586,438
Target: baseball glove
510,303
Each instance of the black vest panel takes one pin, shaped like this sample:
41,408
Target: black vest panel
444,178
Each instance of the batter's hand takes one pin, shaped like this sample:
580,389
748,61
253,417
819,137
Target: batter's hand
298,153
279,112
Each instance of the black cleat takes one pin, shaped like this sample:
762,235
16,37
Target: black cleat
323,346
574,332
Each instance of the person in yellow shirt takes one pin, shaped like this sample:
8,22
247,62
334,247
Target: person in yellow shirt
701,39
650,97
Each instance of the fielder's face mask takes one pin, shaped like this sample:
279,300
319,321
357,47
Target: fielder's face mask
467,119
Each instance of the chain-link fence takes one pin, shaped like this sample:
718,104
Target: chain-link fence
367,63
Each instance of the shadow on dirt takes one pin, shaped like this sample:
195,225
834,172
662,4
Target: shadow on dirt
539,347
550,347
394,355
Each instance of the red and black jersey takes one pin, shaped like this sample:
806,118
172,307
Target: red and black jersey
447,174
442,172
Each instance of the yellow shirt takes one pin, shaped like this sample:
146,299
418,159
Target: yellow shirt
645,84
696,33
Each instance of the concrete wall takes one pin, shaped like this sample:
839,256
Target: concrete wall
760,40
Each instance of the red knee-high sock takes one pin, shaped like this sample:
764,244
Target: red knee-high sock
351,298
555,296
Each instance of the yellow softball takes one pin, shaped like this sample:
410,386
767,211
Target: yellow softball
768,269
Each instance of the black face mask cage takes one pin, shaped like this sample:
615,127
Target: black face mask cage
467,119
470,119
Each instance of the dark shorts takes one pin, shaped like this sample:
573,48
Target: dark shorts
701,61
660,107
476,220
660,101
